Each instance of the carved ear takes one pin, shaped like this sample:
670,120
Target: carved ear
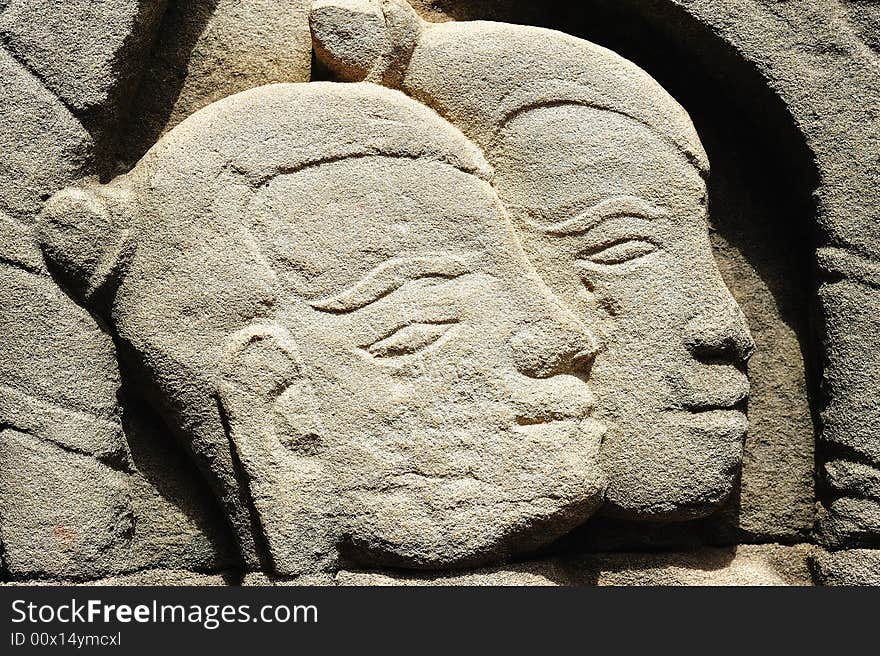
274,430
267,401
365,40
82,235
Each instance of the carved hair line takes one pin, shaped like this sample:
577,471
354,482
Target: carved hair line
446,67
555,92
84,231
263,176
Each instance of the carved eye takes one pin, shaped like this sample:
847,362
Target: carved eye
619,251
409,339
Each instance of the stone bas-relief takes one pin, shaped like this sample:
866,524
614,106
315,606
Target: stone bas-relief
604,177
395,381
385,344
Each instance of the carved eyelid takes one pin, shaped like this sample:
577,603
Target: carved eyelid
389,276
615,252
387,349
603,210
616,242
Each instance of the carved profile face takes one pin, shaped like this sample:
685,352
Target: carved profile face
614,218
437,391
320,280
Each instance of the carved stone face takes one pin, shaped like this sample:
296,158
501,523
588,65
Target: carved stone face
614,219
319,280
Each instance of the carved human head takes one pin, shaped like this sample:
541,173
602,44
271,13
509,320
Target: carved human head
333,309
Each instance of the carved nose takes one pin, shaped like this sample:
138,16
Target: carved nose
554,342
720,331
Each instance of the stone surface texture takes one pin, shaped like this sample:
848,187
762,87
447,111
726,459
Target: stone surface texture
752,565
853,567
440,292
86,52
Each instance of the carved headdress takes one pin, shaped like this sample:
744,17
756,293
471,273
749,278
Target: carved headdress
480,74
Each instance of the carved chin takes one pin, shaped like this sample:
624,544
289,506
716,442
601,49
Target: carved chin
485,512
687,470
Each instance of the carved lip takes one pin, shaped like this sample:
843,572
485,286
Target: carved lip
538,421
725,420
548,416
730,400
727,423
537,426
732,423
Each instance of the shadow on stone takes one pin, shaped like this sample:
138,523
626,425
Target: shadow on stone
163,79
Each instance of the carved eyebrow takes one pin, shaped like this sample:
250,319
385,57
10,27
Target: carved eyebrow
602,211
389,276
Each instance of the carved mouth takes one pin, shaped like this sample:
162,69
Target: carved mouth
550,427
739,406
543,421
534,421
731,400
726,421
552,412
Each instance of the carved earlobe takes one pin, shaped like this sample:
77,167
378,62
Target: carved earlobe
365,40
82,232
274,429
